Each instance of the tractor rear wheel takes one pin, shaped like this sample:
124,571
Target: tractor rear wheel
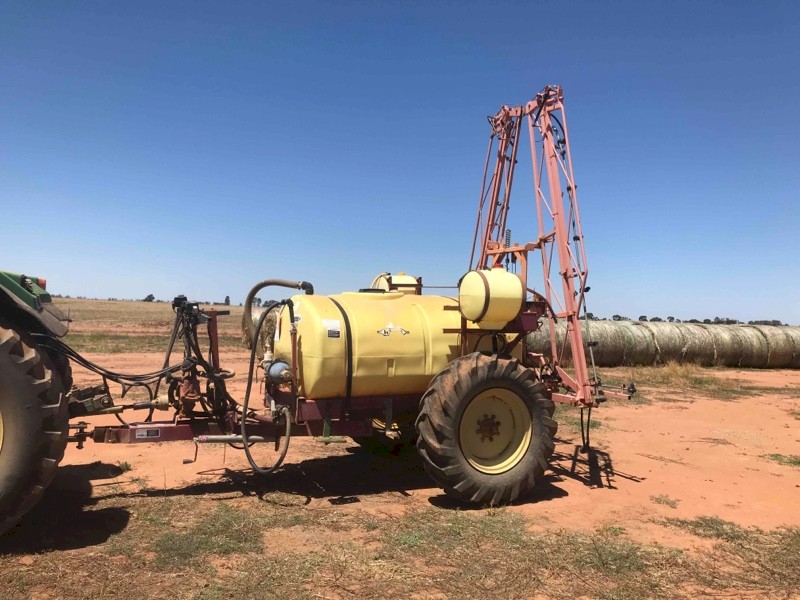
33,423
485,429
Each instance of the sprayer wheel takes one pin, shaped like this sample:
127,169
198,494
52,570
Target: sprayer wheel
485,431
33,423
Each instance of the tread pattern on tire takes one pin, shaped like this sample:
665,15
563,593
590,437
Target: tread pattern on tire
438,423
42,380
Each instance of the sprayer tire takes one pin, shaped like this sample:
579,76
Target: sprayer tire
483,459
33,423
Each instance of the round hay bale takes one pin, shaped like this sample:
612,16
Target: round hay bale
267,334
606,353
610,347
642,348
563,347
793,333
668,339
727,345
539,340
780,348
698,346
755,353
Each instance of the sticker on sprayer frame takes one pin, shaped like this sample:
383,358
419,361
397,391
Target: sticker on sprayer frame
148,434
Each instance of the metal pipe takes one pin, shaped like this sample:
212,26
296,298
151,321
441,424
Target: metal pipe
229,439
248,302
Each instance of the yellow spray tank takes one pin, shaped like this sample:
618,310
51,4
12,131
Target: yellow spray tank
400,282
490,298
392,343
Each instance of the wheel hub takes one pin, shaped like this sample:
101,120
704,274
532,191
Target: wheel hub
488,428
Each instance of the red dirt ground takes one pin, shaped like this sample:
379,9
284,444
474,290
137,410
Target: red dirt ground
706,455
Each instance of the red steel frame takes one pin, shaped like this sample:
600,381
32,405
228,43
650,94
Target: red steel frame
560,233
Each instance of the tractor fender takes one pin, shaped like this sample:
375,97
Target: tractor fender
35,312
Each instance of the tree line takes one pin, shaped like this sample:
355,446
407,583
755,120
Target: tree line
714,321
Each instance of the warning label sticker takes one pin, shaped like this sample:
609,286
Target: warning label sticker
334,327
147,434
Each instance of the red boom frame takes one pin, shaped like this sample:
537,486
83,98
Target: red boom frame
560,233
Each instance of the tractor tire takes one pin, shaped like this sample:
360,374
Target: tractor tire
485,429
34,423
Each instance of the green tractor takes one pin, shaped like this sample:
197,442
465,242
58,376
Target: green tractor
34,382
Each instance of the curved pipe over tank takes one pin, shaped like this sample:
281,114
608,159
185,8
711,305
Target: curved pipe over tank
247,318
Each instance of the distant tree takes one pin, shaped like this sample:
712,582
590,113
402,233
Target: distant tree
643,317
725,321
619,318
149,298
257,301
656,320
707,321
227,301
671,320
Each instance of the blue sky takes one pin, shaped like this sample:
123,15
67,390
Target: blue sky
199,147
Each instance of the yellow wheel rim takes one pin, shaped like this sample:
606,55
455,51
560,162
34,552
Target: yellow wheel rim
495,431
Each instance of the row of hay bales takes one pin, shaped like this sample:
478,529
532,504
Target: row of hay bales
644,343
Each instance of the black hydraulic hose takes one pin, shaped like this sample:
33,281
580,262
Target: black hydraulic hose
246,402
248,301
58,346
176,332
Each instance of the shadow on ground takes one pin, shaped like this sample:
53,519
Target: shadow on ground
340,479
63,519
592,467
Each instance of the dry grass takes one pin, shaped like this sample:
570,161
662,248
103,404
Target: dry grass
665,500
746,559
110,315
790,460
667,382
112,326
569,419
211,548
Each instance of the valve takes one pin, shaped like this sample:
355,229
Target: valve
279,371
